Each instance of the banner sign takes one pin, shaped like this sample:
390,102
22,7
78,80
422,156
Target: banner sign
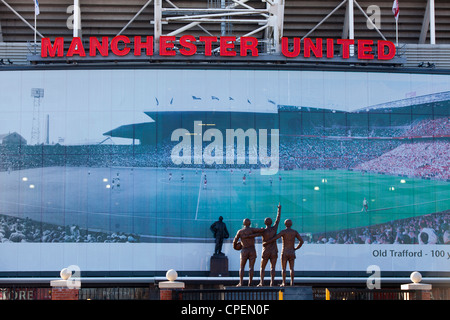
226,46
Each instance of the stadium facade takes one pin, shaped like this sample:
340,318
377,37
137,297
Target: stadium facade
147,133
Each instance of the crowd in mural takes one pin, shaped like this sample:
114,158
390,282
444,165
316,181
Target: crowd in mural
324,153
332,148
434,127
419,159
13,229
427,229
426,155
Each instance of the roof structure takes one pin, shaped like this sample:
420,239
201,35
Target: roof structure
422,30
136,17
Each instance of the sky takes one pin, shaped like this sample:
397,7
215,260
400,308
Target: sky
84,104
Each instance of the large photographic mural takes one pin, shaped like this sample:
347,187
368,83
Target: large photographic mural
125,170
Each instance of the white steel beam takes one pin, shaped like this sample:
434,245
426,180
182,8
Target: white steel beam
277,10
76,18
428,24
351,25
432,23
157,24
345,26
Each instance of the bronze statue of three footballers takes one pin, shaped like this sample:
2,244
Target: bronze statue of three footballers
245,241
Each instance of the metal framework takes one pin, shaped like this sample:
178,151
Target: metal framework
269,19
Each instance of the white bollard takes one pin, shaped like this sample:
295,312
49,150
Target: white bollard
423,289
64,288
166,287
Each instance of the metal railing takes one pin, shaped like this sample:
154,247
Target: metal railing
368,294
227,294
114,293
146,293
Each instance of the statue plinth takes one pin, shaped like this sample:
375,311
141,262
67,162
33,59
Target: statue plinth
218,266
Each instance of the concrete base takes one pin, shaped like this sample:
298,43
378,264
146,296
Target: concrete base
71,284
416,286
171,285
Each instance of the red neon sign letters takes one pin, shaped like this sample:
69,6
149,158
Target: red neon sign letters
227,46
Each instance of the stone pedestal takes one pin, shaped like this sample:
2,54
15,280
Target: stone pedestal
218,266
65,289
423,291
166,288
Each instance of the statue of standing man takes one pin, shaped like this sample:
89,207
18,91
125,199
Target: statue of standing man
288,237
270,250
219,229
248,252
